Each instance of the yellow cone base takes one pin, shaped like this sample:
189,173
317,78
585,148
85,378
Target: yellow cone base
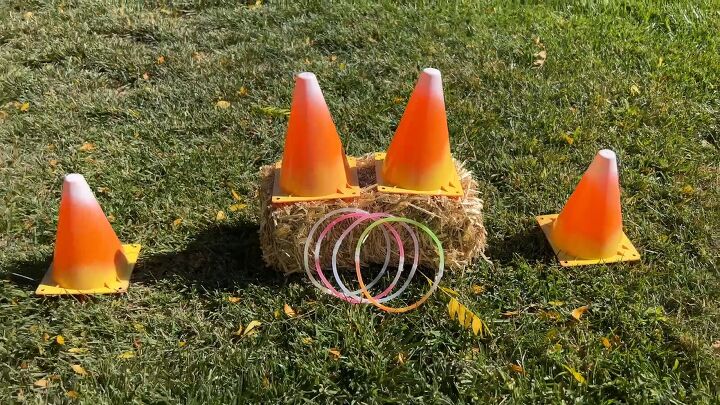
351,190
453,188
48,287
626,251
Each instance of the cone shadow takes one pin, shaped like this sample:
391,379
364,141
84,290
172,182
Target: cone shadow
529,244
222,257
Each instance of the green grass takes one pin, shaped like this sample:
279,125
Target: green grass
164,151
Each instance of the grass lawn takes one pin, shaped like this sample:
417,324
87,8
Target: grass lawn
128,97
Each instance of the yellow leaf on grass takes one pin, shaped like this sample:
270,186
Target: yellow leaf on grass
577,313
222,104
517,368
575,374
126,355
242,92
237,207
24,107
220,216
139,327
87,147
111,218
334,353
477,289
160,60
634,90
461,315
72,394
28,15
449,291
59,339
77,350
605,342
508,314
401,358
181,343
41,383
476,325
235,195
234,300
46,337
453,306
567,138
307,340
556,303
78,369
146,76
540,58
250,328
177,222
687,189
289,311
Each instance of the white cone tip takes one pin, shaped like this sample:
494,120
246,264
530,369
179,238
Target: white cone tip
306,77
431,80
605,162
77,188
307,86
607,154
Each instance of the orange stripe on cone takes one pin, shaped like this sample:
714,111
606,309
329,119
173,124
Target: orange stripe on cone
589,228
88,255
418,158
314,165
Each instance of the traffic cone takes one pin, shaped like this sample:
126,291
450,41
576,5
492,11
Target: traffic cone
589,227
313,166
418,160
89,258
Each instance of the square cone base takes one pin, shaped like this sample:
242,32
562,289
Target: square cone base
452,189
351,190
49,287
626,251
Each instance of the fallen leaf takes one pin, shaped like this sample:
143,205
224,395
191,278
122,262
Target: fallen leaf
540,58
103,190
59,339
126,355
307,340
578,312
334,353
517,368
24,107
398,100
41,383
139,327
634,90
476,325
449,291
3,115
242,92
160,60
401,358
181,343
575,374
234,300
567,138
453,306
477,289
687,189
660,61
237,207
276,314
146,76
222,104
289,311
250,329
605,342
235,195
177,222
461,314
77,350
46,337
72,394
28,15
111,218
556,303
198,56
87,146
508,314
78,369
220,216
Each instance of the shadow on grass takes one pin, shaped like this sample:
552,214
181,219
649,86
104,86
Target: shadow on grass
221,257
529,244
218,258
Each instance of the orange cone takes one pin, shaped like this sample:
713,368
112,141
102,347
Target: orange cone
589,228
89,258
313,166
418,160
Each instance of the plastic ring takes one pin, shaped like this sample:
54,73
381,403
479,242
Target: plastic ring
438,275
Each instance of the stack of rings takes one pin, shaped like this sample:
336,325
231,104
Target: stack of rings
360,216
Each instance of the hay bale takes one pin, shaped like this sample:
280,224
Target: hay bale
458,223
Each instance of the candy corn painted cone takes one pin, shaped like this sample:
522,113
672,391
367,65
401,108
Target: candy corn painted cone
88,258
314,165
418,160
588,230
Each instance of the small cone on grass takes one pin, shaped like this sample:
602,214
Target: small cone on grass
418,160
88,258
314,165
589,230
